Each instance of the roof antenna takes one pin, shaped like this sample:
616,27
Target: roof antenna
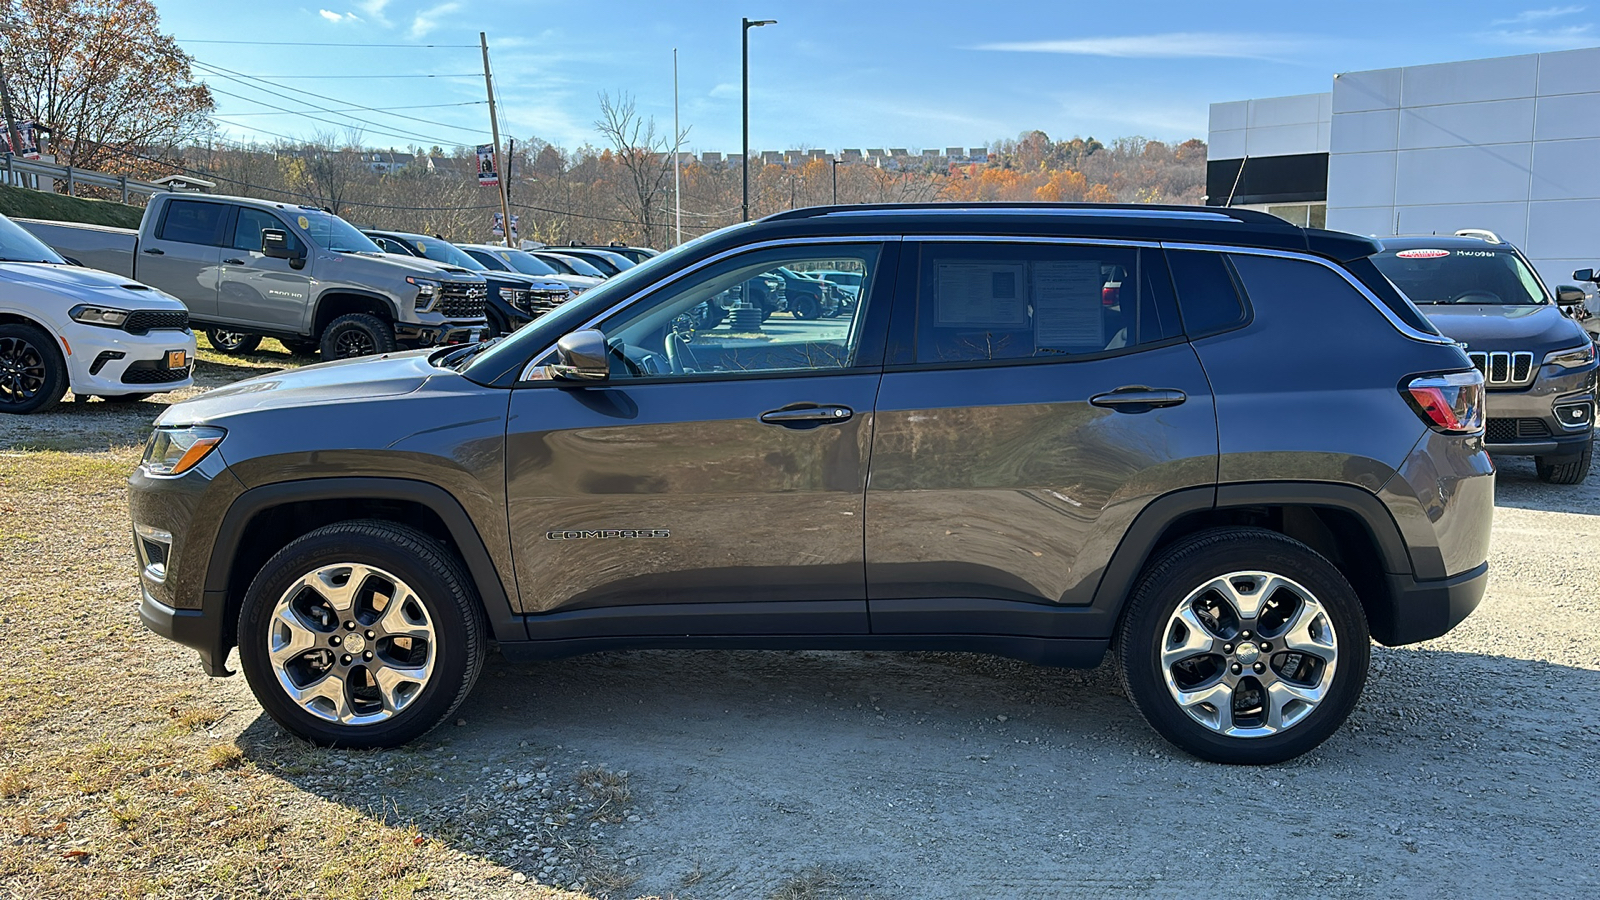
1236,178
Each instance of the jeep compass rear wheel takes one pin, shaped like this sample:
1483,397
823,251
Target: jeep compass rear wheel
1242,645
361,634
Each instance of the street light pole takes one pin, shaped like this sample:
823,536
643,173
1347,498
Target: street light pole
744,37
834,168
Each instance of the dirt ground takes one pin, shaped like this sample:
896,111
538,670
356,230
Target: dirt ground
1466,770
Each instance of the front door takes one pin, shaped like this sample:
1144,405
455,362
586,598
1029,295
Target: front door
184,256
715,483
258,290
1037,397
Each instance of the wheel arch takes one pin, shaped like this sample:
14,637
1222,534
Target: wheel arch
343,301
1347,525
264,519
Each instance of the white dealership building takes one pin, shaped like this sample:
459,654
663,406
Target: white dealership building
1510,144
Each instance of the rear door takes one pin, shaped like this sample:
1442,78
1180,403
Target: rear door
184,255
1038,395
255,288
715,487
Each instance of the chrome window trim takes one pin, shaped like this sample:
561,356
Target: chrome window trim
1379,305
533,362
1075,212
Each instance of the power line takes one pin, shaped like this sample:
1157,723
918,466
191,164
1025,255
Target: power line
373,108
307,114
321,77
241,78
313,44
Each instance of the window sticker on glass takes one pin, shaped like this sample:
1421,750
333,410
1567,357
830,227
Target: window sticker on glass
987,295
1067,313
1422,254
305,223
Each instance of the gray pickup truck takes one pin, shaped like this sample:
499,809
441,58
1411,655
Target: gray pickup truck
249,269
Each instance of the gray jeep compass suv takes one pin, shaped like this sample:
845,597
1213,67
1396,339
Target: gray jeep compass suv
1229,469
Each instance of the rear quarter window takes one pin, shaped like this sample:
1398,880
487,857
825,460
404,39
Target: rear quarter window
1208,296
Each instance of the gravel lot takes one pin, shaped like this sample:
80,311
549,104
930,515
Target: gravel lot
1467,769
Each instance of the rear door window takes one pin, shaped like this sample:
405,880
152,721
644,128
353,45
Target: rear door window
194,222
984,301
1207,293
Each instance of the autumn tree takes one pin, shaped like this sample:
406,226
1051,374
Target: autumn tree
644,157
116,93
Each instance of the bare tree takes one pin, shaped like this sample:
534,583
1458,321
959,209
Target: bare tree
645,157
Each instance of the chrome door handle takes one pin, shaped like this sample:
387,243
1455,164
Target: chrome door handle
1138,399
808,415
233,262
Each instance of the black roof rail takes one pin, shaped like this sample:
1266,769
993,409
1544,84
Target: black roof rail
1246,216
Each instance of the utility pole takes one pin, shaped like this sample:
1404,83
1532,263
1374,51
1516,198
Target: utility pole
11,119
677,183
494,131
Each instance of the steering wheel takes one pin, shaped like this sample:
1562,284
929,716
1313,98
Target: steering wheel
679,356
1476,296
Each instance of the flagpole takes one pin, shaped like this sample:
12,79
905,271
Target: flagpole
677,184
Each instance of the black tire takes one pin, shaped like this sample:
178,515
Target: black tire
301,348
1568,471
33,375
125,398
495,325
232,342
1149,624
439,583
357,334
805,306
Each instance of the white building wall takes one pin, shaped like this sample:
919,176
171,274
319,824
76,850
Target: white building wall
1509,144
1272,126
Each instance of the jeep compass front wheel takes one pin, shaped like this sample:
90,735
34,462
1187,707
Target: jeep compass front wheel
361,634
1242,645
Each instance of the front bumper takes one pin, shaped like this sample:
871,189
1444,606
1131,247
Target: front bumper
202,630
437,335
107,362
1553,416
1427,609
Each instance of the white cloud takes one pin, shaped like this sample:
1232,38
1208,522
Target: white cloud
1566,38
1540,15
374,10
427,20
1172,45
332,16
725,89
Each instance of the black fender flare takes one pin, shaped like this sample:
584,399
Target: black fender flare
503,622
335,290
1139,543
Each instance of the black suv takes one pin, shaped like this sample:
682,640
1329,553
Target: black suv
1250,458
1538,362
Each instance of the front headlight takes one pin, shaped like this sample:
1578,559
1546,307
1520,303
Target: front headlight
98,315
427,292
174,451
1572,358
520,298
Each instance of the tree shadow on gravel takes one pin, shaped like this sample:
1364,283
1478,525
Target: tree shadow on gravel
704,774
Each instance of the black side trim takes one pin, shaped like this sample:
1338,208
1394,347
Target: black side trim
645,621
1129,559
1081,654
496,602
1397,557
1427,609
194,628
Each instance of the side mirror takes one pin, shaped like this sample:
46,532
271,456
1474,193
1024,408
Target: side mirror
275,244
1569,295
1583,275
582,356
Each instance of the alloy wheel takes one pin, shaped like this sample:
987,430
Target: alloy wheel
226,340
354,342
1249,654
351,644
22,370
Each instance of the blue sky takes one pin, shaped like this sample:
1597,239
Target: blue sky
829,74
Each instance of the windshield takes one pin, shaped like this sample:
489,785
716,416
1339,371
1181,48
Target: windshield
17,245
579,266
517,351
526,263
331,232
1480,277
445,252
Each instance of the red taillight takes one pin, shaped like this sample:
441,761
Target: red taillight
1451,403
1110,295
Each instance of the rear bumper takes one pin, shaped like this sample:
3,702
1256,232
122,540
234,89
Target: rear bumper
199,629
1428,609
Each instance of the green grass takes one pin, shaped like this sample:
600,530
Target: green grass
29,204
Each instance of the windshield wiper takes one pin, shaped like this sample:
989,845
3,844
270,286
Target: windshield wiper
458,359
